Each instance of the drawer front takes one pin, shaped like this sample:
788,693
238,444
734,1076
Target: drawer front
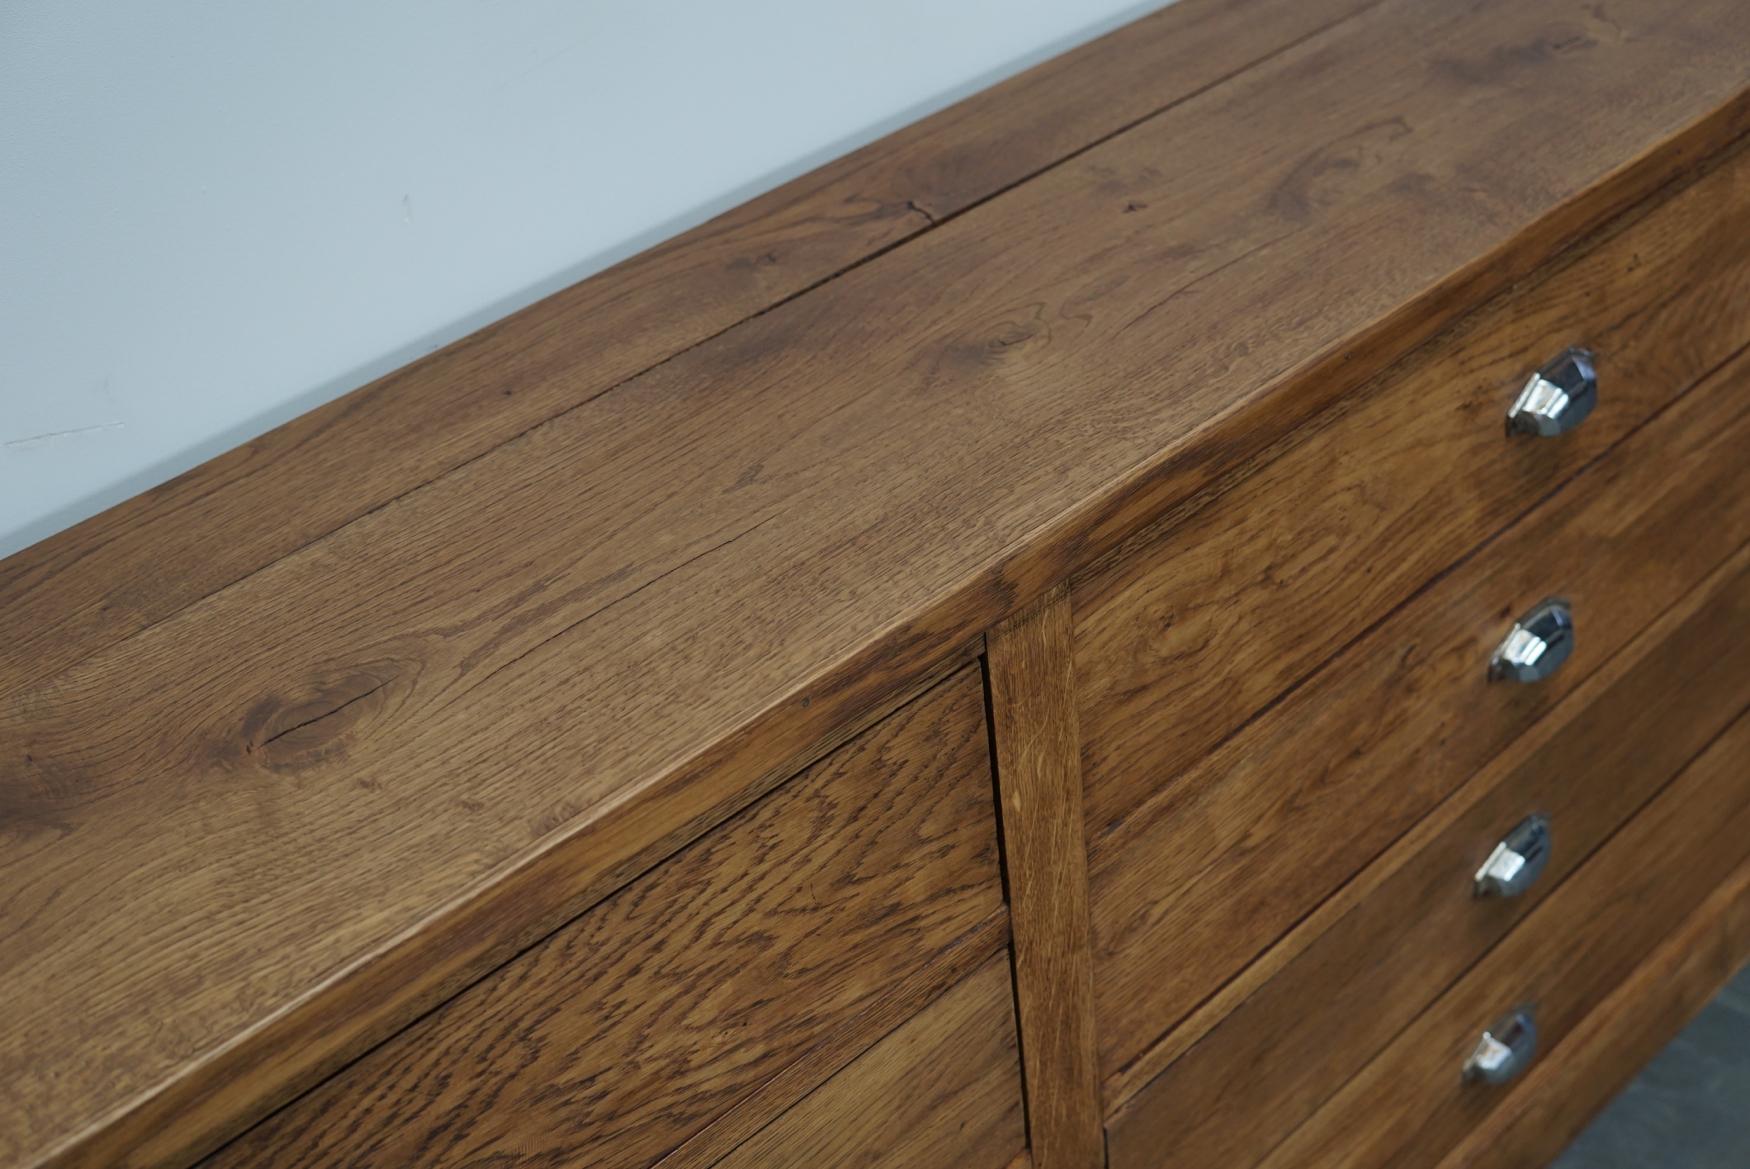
943,1091
1226,859
1412,1103
1192,629
658,1011
1289,1046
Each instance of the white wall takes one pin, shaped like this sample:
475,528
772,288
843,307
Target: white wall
215,215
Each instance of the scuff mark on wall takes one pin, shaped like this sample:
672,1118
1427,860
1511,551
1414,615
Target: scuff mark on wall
55,435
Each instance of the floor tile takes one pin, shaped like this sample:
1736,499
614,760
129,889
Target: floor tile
1690,1107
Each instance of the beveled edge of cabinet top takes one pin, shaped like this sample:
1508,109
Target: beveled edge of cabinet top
256,832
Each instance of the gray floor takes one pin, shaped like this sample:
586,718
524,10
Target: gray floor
1690,1107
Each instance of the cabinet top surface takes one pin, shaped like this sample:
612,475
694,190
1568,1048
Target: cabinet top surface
424,699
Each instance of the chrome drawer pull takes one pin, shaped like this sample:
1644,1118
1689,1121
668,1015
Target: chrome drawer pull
1504,1051
1537,645
1517,861
1557,398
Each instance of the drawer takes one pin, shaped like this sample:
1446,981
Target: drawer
1412,1103
667,1005
943,1091
1241,846
1368,972
1193,628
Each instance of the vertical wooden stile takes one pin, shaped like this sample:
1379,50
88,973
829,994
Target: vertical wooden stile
1039,789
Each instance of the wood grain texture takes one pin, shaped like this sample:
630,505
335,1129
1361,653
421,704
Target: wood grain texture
1225,859
1200,624
670,1003
145,559
1409,1107
1031,667
1562,1091
941,1092
837,1048
1266,1066
384,763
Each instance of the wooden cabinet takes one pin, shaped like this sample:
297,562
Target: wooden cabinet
978,658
